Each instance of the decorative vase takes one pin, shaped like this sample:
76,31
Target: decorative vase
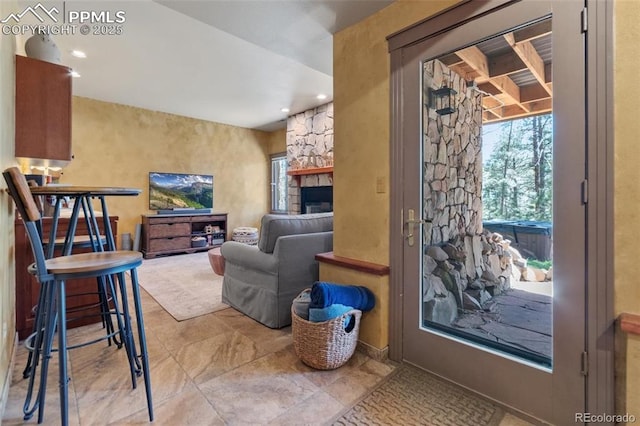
40,46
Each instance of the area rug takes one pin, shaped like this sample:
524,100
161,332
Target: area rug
410,396
184,285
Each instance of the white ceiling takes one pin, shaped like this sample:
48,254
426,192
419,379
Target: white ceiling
234,62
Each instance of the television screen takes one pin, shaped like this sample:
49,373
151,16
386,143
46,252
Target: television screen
180,191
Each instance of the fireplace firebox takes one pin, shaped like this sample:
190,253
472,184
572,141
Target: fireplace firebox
316,199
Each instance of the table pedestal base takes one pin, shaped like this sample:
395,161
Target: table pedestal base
216,260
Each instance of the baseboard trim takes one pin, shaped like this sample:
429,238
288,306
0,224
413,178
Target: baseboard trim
7,379
373,352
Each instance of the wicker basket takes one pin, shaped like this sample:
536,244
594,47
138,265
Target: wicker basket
326,345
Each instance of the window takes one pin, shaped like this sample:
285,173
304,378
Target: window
279,183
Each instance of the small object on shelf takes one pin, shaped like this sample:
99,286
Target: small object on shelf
198,242
217,238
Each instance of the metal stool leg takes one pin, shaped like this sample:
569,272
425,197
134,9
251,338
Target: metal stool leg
47,348
127,318
38,325
143,341
62,355
124,324
35,345
107,321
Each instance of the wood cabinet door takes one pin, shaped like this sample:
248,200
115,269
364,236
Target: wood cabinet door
43,110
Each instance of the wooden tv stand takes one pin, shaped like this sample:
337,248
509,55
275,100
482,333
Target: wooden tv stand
172,233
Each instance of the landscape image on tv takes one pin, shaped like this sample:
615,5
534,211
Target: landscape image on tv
180,191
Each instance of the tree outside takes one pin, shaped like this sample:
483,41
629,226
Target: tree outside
517,173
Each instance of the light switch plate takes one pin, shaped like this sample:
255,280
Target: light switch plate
381,186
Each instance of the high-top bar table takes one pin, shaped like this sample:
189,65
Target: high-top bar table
82,196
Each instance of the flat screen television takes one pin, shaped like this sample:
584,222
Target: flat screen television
180,191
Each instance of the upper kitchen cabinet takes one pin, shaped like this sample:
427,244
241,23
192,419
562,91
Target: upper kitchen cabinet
43,112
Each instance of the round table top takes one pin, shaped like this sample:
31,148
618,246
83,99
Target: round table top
75,190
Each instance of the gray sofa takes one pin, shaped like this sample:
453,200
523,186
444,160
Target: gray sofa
261,281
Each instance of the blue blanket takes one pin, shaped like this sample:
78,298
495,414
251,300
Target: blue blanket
330,312
326,294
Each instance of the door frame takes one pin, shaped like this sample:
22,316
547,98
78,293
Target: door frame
599,308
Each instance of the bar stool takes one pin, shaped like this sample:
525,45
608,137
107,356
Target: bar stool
52,274
66,245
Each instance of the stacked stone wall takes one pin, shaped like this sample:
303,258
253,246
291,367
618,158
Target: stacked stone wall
310,138
452,159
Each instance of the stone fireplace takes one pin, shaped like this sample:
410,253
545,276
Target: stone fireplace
309,182
316,199
310,160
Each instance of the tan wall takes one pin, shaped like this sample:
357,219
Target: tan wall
361,155
627,192
7,249
119,145
277,141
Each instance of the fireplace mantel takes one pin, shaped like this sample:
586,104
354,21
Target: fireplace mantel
310,171
296,173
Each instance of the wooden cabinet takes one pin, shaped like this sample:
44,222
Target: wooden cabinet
28,288
43,110
173,233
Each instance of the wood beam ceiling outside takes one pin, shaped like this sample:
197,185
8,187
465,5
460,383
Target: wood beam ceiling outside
510,92
530,57
504,99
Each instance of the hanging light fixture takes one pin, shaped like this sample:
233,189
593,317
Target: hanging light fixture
443,99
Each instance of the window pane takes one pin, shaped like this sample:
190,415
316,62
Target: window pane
279,183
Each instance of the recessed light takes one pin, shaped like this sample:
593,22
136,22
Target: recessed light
321,96
78,54
285,110
75,74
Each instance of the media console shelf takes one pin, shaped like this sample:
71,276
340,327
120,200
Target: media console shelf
173,233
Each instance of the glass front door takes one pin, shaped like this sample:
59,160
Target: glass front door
487,184
494,225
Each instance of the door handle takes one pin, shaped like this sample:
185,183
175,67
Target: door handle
410,223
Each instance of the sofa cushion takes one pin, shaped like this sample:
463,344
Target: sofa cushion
274,226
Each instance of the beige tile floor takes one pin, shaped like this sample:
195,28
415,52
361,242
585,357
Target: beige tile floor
217,369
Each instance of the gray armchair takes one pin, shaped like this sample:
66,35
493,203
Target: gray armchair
261,281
